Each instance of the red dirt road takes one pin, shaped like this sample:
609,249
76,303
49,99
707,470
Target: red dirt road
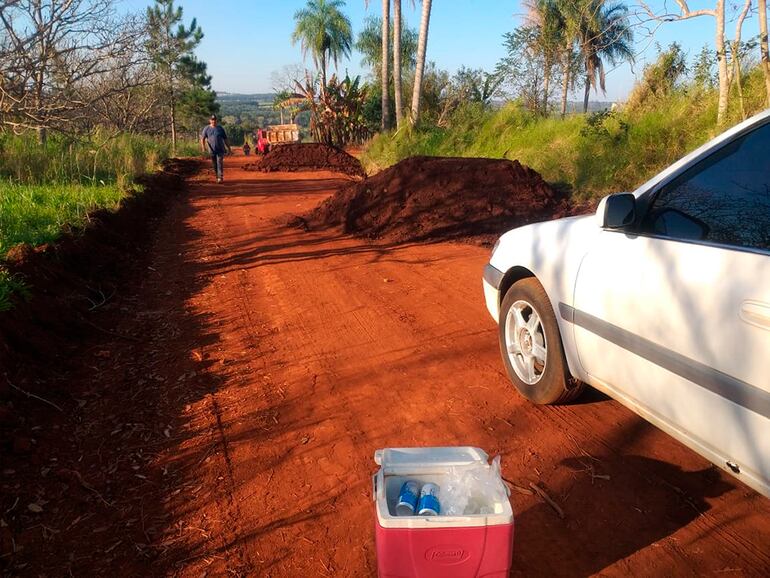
272,362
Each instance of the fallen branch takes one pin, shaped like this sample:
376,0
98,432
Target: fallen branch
502,419
517,487
29,394
88,487
113,333
104,299
12,507
548,500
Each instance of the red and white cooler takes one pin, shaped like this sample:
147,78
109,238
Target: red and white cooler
468,546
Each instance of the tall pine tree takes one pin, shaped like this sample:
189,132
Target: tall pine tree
196,99
171,46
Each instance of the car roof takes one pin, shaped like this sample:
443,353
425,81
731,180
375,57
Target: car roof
702,151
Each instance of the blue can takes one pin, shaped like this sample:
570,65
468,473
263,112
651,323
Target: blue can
407,498
429,504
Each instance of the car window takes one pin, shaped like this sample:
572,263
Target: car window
723,199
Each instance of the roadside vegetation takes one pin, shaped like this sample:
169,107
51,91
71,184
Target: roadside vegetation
35,214
10,285
591,155
90,98
521,110
44,187
92,161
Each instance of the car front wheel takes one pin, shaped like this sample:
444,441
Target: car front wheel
531,346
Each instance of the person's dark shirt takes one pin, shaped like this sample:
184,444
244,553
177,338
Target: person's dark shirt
215,136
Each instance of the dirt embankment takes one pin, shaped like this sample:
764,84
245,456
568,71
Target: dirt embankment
71,279
53,349
436,198
308,157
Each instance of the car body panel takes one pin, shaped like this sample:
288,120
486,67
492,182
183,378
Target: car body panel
683,350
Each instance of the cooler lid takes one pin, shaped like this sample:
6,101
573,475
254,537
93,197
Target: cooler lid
394,460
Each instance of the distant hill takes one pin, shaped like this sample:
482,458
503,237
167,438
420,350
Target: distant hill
223,97
593,105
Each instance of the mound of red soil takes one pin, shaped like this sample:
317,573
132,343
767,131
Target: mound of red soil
308,157
435,198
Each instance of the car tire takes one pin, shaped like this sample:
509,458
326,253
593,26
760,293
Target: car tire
531,347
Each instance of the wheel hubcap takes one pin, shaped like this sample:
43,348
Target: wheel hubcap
525,342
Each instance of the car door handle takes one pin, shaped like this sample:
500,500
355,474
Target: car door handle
756,313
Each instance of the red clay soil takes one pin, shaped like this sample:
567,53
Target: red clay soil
308,157
435,198
223,418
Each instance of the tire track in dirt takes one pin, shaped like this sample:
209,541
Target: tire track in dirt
323,439
222,553
257,343
233,510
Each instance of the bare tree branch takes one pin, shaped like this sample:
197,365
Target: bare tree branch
55,54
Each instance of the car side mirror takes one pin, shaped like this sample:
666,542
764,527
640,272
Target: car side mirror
616,211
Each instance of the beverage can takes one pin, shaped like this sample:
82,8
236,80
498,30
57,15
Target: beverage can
429,504
407,498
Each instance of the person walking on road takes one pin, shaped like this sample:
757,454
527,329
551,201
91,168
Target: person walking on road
216,138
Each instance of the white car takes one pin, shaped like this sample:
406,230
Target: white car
661,300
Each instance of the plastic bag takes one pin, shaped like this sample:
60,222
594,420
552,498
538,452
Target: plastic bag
473,490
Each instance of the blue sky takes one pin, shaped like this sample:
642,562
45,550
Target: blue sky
247,40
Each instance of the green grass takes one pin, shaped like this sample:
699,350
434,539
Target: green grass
10,285
96,161
35,214
591,155
44,188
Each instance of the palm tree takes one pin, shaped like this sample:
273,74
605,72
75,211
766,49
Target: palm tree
765,57
398,54
384,59
603,33
369,44
563,22
397,60
549,23
384,66
422,45
323,31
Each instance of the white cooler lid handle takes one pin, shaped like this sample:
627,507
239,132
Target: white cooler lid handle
394,459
